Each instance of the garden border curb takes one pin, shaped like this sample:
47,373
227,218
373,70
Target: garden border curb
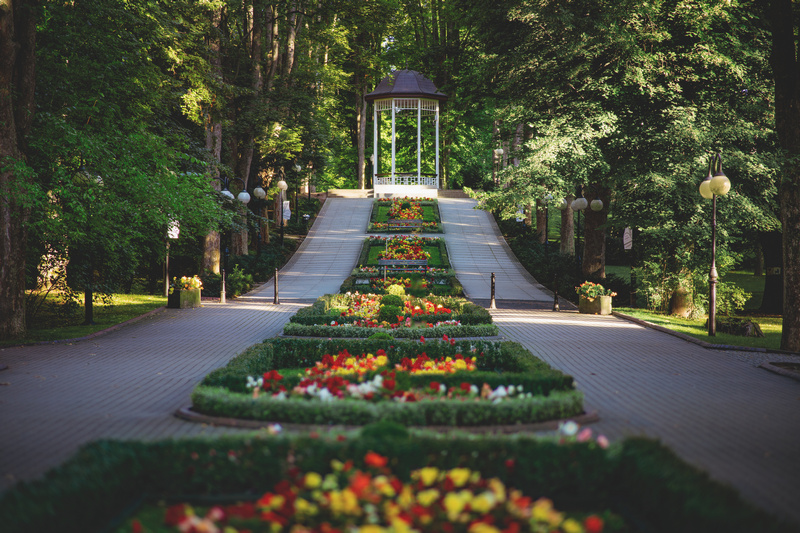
186,413
698,342
779,370
91,335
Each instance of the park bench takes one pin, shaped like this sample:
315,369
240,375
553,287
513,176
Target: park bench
402,265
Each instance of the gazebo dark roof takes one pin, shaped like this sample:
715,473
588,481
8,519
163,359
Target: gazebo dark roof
405,84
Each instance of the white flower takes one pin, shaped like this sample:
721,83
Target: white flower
499,393
511,390
442,388
473,389
280,396
325,395
568,428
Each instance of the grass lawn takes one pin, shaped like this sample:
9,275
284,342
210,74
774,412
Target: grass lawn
52,325
771,326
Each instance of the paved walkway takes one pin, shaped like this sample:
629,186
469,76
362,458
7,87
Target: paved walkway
717,410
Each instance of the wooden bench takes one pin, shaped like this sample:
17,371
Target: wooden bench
400,223
385,264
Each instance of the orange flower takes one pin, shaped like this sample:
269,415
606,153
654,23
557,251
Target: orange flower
375,460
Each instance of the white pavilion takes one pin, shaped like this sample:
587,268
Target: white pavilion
408,92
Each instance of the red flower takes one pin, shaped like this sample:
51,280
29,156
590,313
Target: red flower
272,375
593,524
434,386
389,384
465,387
422,339
375,460
136,526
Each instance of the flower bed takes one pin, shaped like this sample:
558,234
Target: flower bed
388,215
415,258
636,480
444,383
359,315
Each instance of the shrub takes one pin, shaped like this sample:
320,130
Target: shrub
392,299
389,313
396,290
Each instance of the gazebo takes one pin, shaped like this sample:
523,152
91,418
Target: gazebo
405,91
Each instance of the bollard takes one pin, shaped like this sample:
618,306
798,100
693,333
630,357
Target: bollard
492,304
222,289
276,300
555,294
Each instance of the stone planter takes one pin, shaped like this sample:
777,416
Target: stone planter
184,299
595,306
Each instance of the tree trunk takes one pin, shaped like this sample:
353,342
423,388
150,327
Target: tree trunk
771,244
759,269
568,228
541,221
17,81
787,124
594,234
213,127
361,118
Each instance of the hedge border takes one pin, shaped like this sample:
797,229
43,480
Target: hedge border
322,330
105,479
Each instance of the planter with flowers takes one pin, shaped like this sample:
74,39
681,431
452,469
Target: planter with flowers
594,299
184,293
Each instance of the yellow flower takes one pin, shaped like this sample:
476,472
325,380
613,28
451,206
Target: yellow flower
459,476
571,526
483,527
499,490
383,486
453,505
406,498
427,475
427,497
304,507
313,480
483,503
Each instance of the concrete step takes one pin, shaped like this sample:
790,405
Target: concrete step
452,193
350,193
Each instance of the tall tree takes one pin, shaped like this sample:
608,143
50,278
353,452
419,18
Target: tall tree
787,122
17,83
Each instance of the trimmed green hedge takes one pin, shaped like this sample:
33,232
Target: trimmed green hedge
105,478
471,314
321,330
491,358
216,401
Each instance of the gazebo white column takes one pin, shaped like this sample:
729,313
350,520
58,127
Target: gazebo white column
394,112
374,143
419,141
436,120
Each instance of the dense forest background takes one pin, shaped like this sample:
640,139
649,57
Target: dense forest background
117,115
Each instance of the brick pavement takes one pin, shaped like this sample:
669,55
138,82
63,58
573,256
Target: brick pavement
717,410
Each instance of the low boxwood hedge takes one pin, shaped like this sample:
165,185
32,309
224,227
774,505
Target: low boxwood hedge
492,358
216,401
324,330
638,478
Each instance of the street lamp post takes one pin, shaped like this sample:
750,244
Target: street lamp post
578,205
243,197
498,156
282,186
297,169
716,183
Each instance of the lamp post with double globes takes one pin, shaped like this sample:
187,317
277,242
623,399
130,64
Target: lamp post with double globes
716,183
579,204
243,197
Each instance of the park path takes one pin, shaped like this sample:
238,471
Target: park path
719,412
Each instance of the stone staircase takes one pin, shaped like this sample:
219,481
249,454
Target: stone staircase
350,193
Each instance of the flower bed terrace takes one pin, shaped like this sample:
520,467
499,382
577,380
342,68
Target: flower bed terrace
633,485
435,276
361,315
404,214
440,383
